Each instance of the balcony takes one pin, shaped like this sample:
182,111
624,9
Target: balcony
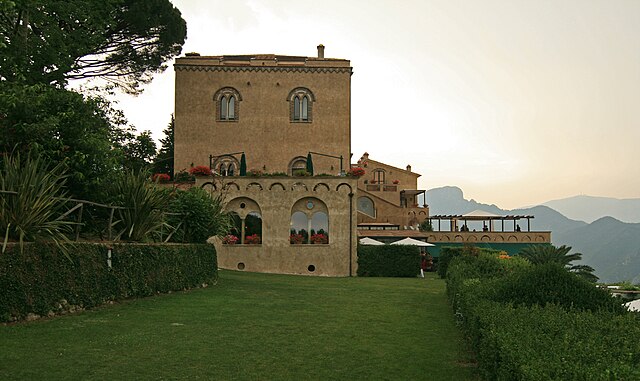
381,188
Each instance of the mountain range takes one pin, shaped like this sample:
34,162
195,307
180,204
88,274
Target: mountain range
590,208
610,246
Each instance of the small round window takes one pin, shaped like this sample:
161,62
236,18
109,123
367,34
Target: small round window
309,204
243,205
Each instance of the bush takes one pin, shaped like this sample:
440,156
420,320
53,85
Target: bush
141,218
551,343
35,210
196,215
388,261
552,284
161,178
541,322
41,280
448,253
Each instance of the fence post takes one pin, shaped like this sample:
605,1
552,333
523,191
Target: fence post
79,222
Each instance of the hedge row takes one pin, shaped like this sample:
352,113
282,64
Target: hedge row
41,280
388,260
541,322
448,253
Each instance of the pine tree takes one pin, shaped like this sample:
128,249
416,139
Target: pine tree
164,160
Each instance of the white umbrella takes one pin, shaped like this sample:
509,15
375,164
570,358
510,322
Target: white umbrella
411,241
370,241
633,305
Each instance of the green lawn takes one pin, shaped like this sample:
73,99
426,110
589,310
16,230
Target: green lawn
253,327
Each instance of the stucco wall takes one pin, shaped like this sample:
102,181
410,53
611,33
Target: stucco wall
275,197
263,130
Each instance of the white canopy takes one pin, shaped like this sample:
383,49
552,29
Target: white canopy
633,305
370,241
480,213
411,241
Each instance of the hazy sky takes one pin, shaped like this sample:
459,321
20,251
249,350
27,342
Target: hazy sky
516,102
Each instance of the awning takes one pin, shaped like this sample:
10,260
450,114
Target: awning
370,241
411,241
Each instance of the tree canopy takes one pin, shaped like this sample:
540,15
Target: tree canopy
121,41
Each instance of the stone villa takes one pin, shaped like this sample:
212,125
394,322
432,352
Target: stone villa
279,112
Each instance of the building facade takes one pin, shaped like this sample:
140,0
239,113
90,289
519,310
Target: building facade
276,111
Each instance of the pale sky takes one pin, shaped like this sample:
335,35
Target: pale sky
516,102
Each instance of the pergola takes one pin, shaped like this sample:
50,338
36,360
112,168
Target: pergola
480,215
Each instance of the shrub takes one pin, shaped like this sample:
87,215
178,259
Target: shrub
541,322
43,281
200,170
183,177
448,253
196,215
34,212
551,283
389,261
141,218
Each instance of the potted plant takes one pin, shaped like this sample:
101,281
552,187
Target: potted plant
319,239
200,170
356,172
252,239
396,182
230,239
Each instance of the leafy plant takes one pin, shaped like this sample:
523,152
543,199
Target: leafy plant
196,215
32,201
141,217
541,254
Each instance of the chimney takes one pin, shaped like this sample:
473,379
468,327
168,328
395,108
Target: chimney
320,51
408,168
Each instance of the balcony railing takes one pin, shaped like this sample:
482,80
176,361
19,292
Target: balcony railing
381,188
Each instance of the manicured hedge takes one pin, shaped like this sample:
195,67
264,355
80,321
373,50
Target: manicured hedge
449,252
42,281
388,260
541,322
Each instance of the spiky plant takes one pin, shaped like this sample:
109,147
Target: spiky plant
141,217
32,201
540,254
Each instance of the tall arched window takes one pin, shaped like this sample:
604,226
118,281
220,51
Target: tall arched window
227,104
309,222
366,206
247,222
301,100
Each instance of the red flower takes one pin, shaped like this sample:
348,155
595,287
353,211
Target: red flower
200,170
356,172
160,178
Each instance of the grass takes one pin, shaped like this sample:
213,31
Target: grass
252,327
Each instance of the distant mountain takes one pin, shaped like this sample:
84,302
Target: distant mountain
610,246
589,208
450,200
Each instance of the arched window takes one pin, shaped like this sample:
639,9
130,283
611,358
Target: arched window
298,166
227,104
301,100
366,206
309,222
247,222
226,165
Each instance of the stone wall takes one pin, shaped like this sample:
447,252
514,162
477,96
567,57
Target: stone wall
276,198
